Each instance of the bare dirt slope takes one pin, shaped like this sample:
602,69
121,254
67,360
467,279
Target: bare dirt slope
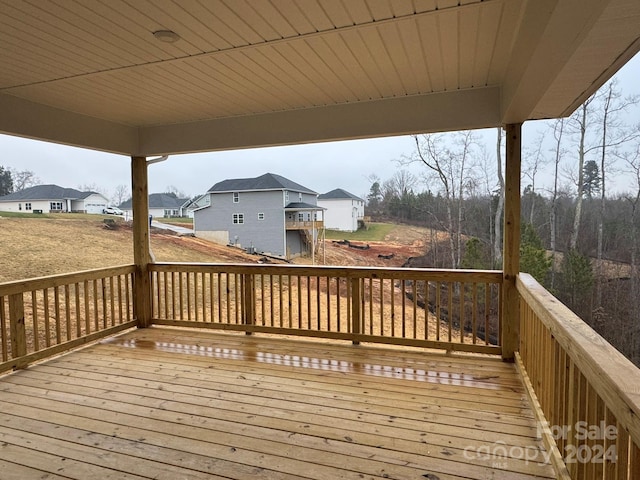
398,245
35,247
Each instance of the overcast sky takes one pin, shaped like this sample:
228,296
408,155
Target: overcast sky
320,167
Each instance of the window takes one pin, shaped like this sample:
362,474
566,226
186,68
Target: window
238,218
300,197
286,197
19,206
301,217
55,206
236,197
27,206
261,216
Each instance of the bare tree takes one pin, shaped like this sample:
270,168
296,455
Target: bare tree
173,190
449,166
497,224
120,194
23,179
534,161
402,182
558,133
93,187
613,134
633,163
580,119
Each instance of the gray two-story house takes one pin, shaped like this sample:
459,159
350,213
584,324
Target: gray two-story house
267,214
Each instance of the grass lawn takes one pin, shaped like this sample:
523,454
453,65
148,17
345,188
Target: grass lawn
375,232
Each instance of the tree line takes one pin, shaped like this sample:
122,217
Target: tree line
580,208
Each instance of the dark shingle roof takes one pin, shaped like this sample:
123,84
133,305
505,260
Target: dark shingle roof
46,192
159,200
338,194
268,181
302,206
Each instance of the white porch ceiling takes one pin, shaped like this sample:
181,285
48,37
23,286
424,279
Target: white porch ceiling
266,72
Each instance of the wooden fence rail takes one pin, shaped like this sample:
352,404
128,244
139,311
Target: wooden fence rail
453,310
587,392
44,316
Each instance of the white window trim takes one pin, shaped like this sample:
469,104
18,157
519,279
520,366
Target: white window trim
238,218
236,197
261,216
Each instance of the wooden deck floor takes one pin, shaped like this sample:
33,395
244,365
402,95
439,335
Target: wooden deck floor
175,404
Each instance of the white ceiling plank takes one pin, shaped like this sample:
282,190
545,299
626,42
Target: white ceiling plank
511,16
337,13
468,41
413,46
315,14
402,8
400,57
358,11
448,29
357,45
378,51
425,5
316,66
430,36
488,23
306,72
355,74
293,18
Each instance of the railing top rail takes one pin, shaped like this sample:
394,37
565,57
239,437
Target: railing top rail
19,286
611,374
444,275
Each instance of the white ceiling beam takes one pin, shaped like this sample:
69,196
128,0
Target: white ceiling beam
459,110
36,121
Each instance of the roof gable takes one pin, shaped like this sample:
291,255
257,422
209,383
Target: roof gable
46,192
159,200
339,194
268,181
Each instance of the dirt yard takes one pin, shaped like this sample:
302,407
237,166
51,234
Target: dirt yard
36,247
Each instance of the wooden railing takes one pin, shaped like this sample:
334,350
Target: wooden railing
304,225
44,316
588,393
452,310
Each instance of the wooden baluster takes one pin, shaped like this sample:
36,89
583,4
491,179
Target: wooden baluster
356,314
16,326
34,315
248,305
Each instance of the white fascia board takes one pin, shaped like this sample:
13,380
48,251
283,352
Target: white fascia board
434,112
23,118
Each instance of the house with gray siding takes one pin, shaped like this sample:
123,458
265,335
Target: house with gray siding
267,214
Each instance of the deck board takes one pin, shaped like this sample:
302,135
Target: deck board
173,403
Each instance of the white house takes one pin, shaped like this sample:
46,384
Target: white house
53,199
343,210
161,205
